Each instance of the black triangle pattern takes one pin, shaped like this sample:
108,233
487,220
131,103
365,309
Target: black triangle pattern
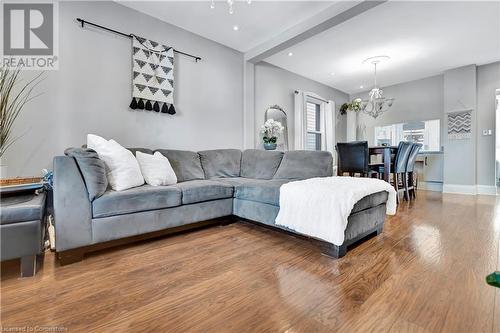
140,87
160,79
135,74
166,92
147,76
140,63
171,82
153,66
153,90
171,60
141,40
135,49
162,57
154,44
146,53
166,70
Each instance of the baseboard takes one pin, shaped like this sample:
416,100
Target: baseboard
460,189
430,186
486,189
470,189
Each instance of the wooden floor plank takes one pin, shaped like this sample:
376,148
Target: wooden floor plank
424,273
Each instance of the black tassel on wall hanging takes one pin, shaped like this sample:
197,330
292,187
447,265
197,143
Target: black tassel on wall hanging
140,105
133,104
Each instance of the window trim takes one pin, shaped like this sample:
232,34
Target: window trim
322,120
299,133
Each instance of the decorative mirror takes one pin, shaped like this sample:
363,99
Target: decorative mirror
277,113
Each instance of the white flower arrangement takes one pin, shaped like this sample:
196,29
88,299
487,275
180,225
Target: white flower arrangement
271,130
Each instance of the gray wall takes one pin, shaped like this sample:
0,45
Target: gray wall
415,100
459,93
274,85
488,80
91,91
468,162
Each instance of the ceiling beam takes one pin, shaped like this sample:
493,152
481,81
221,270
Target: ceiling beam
341,11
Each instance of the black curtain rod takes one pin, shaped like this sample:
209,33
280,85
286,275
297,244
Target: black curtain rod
83,22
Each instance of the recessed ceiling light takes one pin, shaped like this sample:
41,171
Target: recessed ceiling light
290,54
361,87
235,28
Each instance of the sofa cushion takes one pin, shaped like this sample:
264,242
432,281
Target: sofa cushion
302,164
186,164
260,164
136,199
204,190
370,201
259,190
93,170
235,181
22,208
221,162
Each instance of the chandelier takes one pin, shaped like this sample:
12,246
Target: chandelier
377,103
230,4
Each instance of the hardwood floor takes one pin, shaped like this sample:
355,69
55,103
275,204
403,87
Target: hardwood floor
424,273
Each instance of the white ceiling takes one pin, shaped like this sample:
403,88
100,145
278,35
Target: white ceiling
257,22
422,39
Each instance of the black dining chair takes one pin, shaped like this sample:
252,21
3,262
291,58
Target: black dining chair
399,168
411,175
353,159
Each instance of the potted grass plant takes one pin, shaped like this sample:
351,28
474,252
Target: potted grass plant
15,93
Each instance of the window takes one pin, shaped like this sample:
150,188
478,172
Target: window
315,131
314,122
425,132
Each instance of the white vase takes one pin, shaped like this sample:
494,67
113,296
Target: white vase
351,126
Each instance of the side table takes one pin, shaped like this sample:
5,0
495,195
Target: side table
22,229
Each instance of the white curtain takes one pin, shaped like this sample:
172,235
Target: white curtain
330,126
300,120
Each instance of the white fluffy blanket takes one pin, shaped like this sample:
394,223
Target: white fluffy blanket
319,207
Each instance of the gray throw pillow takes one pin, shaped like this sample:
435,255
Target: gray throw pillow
260,164
93,170
186,164
221,162
301,164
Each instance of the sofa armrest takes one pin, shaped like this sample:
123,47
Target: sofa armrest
72,207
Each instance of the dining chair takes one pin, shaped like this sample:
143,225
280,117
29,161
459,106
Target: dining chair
411,175
399,168
353,158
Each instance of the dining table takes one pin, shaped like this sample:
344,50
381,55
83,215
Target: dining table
387,153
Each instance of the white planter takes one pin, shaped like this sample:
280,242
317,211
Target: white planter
351,125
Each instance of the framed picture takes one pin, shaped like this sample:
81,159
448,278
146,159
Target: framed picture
460,125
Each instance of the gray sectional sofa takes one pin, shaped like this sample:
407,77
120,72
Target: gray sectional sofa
212,184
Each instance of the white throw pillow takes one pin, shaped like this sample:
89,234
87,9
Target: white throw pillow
122,169
156,169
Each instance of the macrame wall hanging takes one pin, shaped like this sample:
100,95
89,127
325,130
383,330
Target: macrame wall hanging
152,76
